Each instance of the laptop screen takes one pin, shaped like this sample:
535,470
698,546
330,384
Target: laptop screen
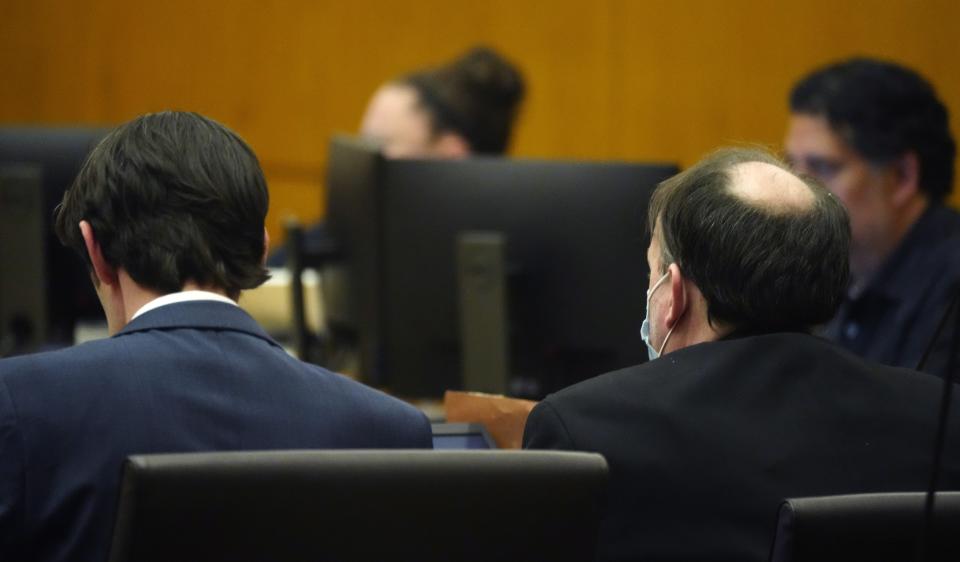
461,436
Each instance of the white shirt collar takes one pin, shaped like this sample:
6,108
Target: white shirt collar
182,296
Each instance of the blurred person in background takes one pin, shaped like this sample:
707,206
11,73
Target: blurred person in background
876,134
465,107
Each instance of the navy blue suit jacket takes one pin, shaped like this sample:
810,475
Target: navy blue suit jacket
194,376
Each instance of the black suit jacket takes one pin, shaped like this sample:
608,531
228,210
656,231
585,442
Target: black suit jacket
195,376
704,443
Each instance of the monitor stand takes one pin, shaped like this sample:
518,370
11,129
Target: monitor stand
481,275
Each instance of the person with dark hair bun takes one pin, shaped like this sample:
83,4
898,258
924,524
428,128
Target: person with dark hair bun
168,212
876,134
467,106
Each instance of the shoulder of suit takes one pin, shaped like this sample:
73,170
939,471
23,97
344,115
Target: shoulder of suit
675,368
633,378
66,358
373,397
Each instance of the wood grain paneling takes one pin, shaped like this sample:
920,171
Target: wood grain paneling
610,79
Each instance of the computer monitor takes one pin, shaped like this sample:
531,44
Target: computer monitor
23,299
453,263
47,159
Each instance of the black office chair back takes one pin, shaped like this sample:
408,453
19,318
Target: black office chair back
292,506
866,527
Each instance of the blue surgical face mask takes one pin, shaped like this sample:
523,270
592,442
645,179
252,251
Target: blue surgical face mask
645,327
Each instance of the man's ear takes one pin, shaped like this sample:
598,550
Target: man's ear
678,295
266,246
451,145
104,272
906,178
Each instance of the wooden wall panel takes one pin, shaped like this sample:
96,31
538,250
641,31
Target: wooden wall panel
614,79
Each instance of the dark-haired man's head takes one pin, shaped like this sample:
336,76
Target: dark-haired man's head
168,201
739,243
467,106
878,137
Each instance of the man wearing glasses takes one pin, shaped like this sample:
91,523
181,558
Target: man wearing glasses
878,137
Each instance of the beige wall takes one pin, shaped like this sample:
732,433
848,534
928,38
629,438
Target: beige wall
644,79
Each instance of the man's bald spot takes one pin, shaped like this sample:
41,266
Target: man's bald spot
770,188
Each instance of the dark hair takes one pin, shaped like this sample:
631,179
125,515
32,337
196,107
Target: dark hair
883,110
172,197
759,268
476,96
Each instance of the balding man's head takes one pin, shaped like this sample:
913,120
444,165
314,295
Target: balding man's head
767,249
770,187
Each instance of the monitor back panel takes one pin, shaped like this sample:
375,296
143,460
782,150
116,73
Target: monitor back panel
57,153
575,260
23,299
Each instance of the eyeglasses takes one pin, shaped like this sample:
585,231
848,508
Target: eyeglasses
820,167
